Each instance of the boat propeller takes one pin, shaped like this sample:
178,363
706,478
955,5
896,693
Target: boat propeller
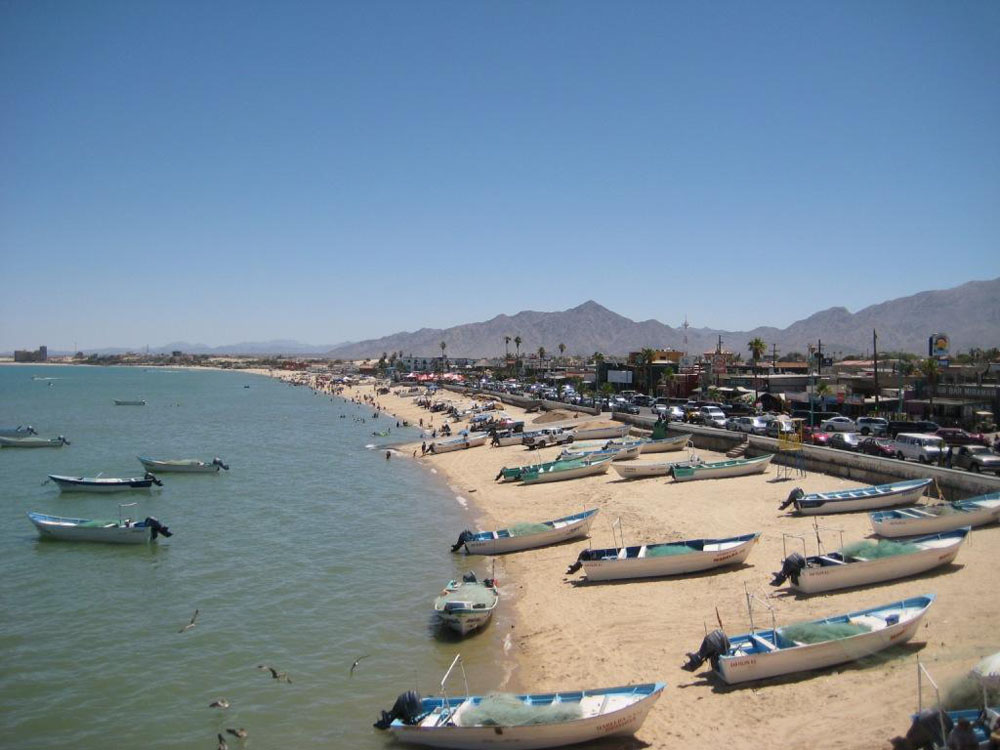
407,708
464,537
796,494
714,645
158,528
793,565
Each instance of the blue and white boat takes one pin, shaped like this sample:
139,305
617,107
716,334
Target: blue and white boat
33,441
122,531
526,721
811,645
105,484
929,519
858,498
525,536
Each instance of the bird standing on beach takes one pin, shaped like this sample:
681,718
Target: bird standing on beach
190,624
356,662
279,676
219,703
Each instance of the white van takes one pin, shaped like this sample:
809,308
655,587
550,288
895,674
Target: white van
924,448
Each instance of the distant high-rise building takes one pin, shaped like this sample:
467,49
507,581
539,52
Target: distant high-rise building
41,354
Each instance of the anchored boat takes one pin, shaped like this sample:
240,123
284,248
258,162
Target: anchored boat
105,484
859,498
183,465
523,536
928,519
33,441
122,531
736,467
468,604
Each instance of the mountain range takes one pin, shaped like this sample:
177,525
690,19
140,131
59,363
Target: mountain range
969,314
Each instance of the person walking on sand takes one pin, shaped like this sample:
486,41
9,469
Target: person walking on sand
423,448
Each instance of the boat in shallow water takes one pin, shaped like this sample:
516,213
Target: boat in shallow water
468,604
105,484
811,645
858,498
526,721
183,465
33,441
129,402
663,559
525,535
123,531
869,561
735,467
929,519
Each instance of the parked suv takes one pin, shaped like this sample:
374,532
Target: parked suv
975,458
920,447
873,426
711,416
752,425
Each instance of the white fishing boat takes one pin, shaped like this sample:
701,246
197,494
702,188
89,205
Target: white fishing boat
129,402
929,519
644,469
105,484
183,465
736,467
858,498
33,441
523,722
525,535
664,558
597,432
468,604
460,442
571,469
17,432
662,445
868,561
122,531
622,451
812,645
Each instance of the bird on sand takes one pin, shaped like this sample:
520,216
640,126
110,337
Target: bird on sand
190,624
223,745
241,733
219,703
279,676
356,662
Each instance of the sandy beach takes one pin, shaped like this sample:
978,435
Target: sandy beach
573,634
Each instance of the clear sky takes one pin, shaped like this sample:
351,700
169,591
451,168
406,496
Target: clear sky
327,171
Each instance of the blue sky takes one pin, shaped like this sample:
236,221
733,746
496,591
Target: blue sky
329,171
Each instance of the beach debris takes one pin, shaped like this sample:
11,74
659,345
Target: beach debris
279,676
219,703
356,662
190,624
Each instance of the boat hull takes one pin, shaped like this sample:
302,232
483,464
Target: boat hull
560,533
914,521
668,565
179,467
848,575
622,722
757,666
730,469
69,530
101,486
816,505
598,467
642,469
666,444
598,433
462,607
30,442
127,402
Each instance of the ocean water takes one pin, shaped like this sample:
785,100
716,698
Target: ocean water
311,551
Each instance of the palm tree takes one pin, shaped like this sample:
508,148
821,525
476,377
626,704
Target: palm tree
562,348
823,390
931,371
506,348
756,347
541,352
597,357
517,346
645,360
443,346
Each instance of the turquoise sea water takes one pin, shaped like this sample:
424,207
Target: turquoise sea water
311,551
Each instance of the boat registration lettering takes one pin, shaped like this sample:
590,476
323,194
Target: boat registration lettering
743,661
726,556
616,724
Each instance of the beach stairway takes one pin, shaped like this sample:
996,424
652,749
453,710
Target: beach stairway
740,450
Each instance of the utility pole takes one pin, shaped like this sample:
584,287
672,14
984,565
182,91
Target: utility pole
819,357
774,354
875,353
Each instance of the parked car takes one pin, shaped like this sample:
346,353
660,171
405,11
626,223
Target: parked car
624,408
642,400
838,424
815,436
712,416
779,428
877,446
731,424
896,427
816,416
920,447
955,436
845,441
975,458
873,426
752,425
670,413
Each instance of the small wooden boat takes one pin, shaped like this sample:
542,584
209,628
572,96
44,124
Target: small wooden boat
859,498
929,519
572,469
867,562
105,484
33,441
735,467
468,604
622,451
812,645
183,465
598,432
643,469
525,536
514,473
662,445
17,432
664,558
129,402
458,443
122,531
523,722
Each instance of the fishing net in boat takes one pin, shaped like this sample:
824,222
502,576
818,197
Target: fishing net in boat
871,550
820,632
507,710
526,528
665,550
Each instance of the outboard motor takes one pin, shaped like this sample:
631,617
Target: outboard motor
790,568
218,462
581,558
713,646
925,731
470,577
462,539
796,494
158,528
407,708
63,440
150,476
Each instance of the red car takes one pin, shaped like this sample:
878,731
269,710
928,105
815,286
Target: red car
955,436
815,436
877,447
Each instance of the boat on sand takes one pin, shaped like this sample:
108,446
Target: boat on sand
929,519
522,536
856,498
735,467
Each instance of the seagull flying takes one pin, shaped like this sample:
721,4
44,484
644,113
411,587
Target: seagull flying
356,662
279,676
190,624
219,703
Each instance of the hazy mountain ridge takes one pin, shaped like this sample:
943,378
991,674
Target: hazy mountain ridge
969,314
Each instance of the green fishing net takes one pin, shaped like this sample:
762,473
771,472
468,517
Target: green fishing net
871,550
525,528
507,710
664,550
820,632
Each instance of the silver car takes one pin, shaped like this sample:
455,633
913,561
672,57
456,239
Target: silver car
838,424
752,425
